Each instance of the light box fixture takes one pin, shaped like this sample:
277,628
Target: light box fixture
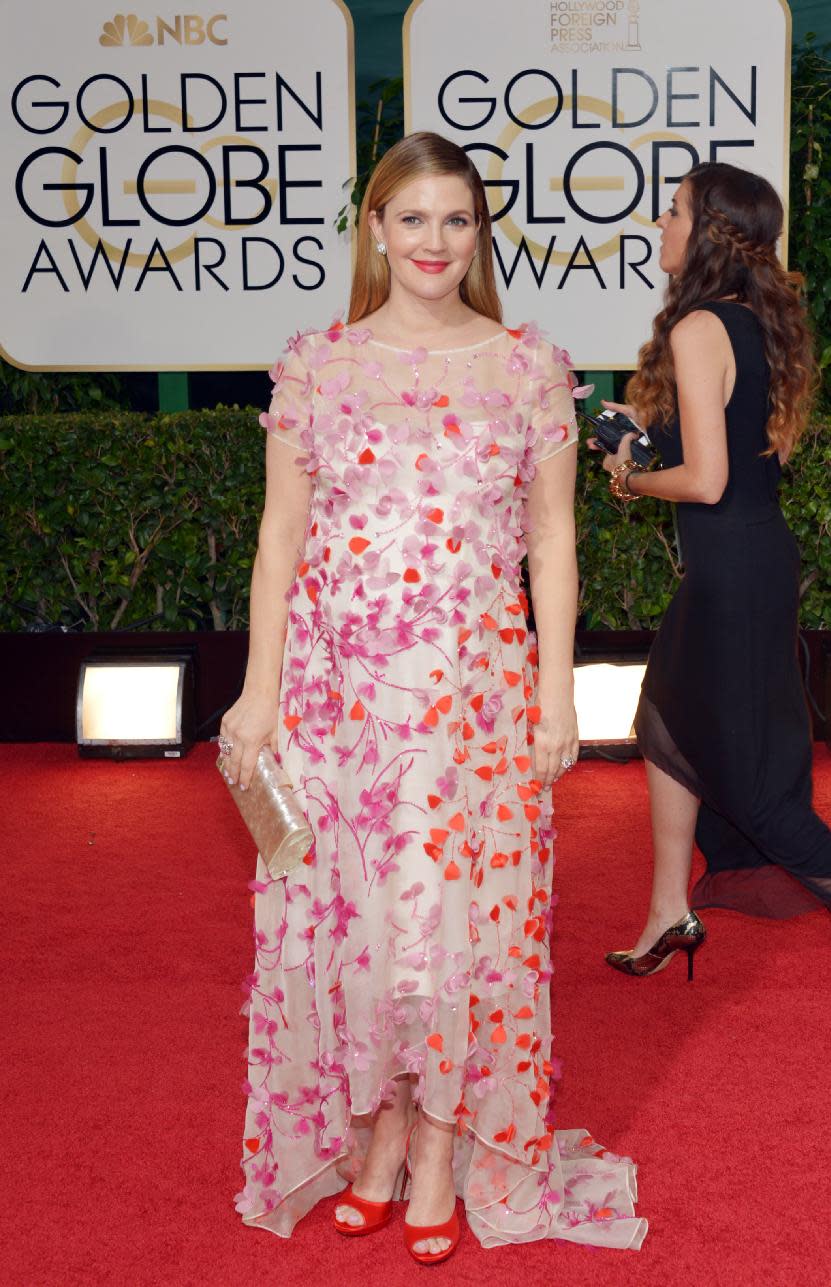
606,698
135,705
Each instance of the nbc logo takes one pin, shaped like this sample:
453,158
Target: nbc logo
183,29
125,29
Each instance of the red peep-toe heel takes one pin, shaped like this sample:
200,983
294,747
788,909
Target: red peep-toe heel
414,1233
375,1214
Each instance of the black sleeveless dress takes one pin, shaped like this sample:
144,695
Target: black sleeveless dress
722,708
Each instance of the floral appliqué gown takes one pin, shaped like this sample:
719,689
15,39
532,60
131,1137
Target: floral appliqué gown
415,937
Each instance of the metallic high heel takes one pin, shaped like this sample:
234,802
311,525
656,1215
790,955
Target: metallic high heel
687,935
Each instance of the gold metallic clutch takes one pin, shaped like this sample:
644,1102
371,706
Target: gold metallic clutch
271,813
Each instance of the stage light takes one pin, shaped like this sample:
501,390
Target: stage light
606,698
132,706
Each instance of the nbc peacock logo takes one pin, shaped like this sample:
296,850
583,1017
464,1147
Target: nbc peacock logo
179,29
125,29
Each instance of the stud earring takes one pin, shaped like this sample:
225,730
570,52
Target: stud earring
381,247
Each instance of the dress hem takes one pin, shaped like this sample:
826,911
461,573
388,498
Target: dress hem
583,1231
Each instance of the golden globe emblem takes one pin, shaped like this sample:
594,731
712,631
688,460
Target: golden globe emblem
601,183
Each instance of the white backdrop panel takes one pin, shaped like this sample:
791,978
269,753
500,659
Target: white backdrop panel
581,115
202,156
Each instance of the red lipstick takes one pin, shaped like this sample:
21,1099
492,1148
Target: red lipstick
430,265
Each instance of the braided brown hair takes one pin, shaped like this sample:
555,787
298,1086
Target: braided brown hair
731,253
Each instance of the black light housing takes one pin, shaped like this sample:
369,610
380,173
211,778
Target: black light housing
135,705
606,692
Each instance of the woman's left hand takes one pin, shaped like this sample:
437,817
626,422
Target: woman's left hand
556,740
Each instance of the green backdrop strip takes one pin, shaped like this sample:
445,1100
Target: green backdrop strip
811,16
378,49
173,391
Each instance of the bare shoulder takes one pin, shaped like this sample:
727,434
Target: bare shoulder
699,332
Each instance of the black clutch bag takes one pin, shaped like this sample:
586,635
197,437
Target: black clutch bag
610,426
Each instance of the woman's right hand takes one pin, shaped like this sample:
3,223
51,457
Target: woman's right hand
625,408
249,725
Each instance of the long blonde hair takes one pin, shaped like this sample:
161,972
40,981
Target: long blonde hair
409,159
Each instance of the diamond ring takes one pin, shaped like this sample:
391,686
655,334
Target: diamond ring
226,746
567,762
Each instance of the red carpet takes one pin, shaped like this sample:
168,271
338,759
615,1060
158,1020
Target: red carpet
127,934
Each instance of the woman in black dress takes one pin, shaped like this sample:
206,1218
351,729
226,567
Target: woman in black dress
725,383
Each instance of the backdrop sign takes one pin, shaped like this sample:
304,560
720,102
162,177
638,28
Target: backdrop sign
171,181
581,116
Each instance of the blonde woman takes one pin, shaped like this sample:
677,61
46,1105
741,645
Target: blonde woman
402,975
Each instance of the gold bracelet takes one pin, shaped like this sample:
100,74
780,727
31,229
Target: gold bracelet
619,487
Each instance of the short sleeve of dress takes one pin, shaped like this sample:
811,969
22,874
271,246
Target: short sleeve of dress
553,422
290,412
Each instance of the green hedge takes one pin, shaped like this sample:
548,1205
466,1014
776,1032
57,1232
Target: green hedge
115,519
628,561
